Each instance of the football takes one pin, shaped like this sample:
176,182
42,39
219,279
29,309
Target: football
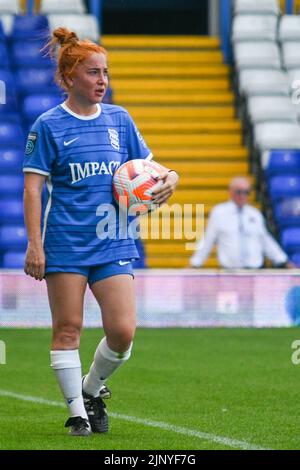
133,183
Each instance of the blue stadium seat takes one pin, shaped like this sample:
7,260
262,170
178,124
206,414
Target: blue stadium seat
283,162
9,110
290,239
11,211
4,58
12,237
28,54
287,212
11,160
11,134
30,26
35,105
9,115
11,185
34,81
2,33
8,98
281,187
8,78
14,259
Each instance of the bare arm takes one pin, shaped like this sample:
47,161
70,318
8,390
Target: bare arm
35,257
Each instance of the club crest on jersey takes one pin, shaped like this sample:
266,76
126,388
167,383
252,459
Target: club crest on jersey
114,138
80,171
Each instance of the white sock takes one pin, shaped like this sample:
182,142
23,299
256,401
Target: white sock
67,368
105,363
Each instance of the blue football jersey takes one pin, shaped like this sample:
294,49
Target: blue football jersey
79,155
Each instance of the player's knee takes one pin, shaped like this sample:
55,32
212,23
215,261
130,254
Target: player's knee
67,336
120,341
125,339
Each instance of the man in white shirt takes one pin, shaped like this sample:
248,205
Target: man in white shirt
240,234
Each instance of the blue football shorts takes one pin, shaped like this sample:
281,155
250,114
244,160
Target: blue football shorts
95,273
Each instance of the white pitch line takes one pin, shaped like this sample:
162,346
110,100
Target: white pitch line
147,422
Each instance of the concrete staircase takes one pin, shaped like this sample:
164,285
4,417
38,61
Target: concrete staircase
178,91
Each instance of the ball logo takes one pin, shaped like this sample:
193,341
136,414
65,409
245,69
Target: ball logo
134,182
114,138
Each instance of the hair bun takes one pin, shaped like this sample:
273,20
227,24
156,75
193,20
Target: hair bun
64,36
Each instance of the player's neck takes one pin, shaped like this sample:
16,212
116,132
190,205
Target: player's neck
80,108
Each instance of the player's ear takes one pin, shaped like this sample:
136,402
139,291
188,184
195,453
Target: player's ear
68,81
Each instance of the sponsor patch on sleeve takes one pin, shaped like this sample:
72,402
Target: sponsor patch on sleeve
31,141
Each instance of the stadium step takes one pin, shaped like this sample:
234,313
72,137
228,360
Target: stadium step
125,99
163,57
187,181
168,71
178,91
218,154
193,140
201,127
208,168
170,85
200,195
181,113
159,42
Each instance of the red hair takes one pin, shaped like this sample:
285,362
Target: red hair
71,53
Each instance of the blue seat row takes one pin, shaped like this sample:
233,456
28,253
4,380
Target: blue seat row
283,162
13,124
11,135
13,259
24,27
13,237
11,160
24,55
290,239
281,187
287,212
283,178
11,211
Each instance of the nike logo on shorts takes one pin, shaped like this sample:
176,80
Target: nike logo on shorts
70,141
122,263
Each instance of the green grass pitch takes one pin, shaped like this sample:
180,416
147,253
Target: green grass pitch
183,389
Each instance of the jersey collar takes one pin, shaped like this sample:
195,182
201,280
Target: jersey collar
79,116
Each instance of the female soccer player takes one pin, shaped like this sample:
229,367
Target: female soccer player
76,147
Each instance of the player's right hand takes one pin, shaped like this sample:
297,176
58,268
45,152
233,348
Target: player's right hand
35,260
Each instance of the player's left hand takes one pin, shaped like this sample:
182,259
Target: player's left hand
162,194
